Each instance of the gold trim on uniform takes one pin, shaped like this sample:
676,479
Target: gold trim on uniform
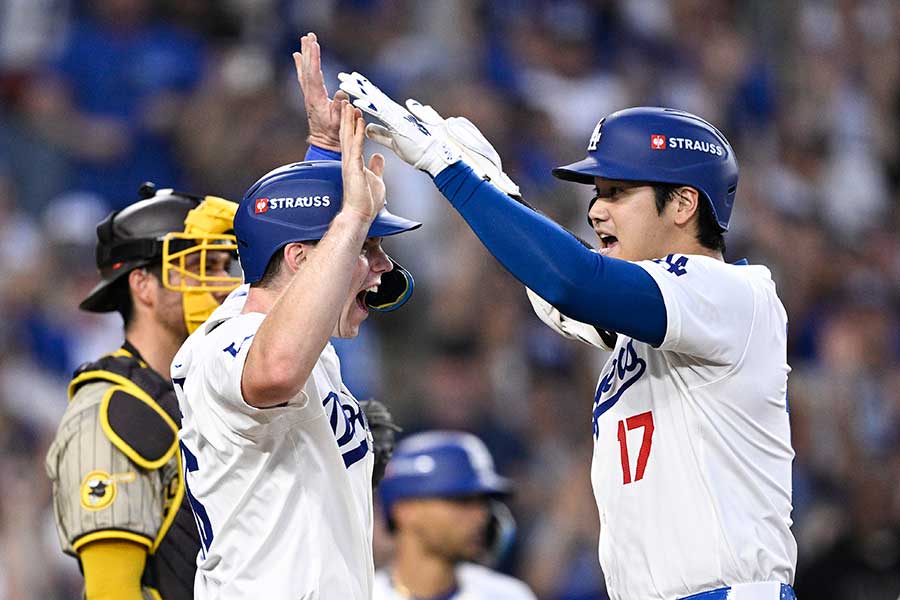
173,503
109,534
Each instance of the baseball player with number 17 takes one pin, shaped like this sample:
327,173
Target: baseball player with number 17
692,455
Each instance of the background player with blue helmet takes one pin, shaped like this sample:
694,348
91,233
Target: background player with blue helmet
441,499
692,456
277,453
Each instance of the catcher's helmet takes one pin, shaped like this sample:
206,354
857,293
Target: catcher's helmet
440,464
132,238
296,203
661,145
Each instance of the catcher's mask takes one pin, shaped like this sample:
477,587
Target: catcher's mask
168,227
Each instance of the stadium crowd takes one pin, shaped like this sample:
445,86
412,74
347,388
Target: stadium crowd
100,95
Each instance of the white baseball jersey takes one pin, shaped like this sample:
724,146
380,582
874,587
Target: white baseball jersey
282,496
692,453
474,582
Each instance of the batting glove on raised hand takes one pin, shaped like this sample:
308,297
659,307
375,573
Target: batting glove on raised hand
402,132
476,150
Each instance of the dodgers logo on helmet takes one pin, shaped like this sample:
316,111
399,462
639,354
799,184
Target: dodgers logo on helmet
295,203
661,145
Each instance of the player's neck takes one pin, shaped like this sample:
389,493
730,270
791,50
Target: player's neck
692,248
260,300
421,575
156,345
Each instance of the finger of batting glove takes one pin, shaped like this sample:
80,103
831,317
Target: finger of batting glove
358,86
380,134
365,105
467,134
351,86
424,112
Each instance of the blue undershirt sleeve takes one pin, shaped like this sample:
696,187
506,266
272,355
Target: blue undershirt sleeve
319,153
608,293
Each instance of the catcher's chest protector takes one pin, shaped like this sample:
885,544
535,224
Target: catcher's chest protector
139,421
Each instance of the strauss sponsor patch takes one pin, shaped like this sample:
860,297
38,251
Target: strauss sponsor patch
262,205
662,142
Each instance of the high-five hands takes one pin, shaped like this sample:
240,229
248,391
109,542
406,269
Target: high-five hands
363,188
424,139
324,114
476,150
401,131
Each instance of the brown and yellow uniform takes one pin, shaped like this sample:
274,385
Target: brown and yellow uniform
117,479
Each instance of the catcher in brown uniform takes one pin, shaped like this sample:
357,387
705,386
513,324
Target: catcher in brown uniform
118,491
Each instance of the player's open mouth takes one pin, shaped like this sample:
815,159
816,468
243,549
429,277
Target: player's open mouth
361,297
607,243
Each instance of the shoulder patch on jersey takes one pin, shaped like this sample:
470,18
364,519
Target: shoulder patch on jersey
138,426
98,488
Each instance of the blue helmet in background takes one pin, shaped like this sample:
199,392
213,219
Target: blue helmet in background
661,145
450,464
440,464
296,203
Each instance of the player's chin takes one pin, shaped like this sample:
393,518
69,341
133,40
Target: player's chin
354,313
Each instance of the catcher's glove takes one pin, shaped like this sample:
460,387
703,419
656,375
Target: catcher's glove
383,428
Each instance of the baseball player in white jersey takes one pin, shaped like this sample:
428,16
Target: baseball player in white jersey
692,453
442,501
276,451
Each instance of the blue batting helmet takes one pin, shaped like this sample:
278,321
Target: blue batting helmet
661,145
440,464
296,203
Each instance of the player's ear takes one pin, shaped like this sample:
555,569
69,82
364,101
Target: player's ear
295,253
686,204
143,286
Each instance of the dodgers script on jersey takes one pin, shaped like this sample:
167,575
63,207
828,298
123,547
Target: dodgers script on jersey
282,496
692,454
474,582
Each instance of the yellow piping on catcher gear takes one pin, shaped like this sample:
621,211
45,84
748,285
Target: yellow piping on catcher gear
205,230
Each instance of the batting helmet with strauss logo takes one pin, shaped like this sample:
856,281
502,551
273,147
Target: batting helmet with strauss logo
661,145
296,203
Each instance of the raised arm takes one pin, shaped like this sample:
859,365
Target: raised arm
296,329
611,294
323,113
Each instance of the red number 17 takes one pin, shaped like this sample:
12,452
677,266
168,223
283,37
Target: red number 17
644,420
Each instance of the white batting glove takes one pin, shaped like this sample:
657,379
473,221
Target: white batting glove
476,150
563,325
402,132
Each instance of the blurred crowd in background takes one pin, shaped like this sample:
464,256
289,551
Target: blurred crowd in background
201,95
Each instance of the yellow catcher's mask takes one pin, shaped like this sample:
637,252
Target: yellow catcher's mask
184,261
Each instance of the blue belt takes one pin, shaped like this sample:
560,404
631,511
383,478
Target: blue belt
787,593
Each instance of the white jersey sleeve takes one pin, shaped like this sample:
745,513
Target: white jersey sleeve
709,310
